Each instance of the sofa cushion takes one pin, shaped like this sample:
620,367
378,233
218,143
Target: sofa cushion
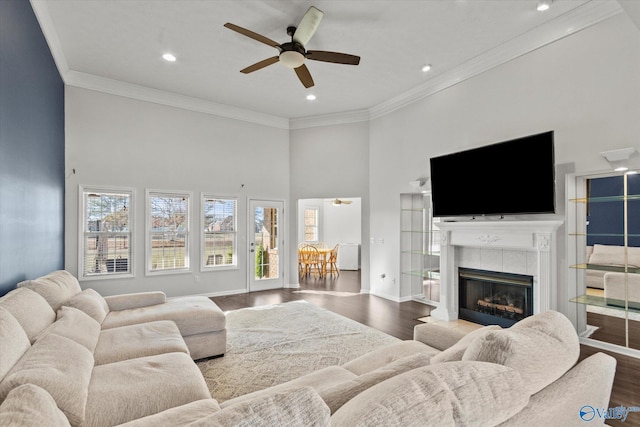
320,380
178,416
14,342
123,391
541,348
30,309
30,405
456,351
135,300
300,407
56,287
144,339
614,255
445,394
193,315
91,303
75,325
338,395
382,356
60,366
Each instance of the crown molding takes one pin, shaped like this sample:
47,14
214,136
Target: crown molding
330,119
143,93
41,10
565,25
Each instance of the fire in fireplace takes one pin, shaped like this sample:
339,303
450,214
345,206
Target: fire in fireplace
494,298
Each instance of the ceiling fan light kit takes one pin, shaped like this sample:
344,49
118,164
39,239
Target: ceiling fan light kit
293,54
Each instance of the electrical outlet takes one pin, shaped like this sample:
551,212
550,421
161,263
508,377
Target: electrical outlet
196,279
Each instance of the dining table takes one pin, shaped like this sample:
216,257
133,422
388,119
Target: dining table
323,253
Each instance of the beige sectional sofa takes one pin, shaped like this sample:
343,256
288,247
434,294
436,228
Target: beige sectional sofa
62,368
602,259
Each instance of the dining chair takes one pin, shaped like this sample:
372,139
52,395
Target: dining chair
312,262
332,267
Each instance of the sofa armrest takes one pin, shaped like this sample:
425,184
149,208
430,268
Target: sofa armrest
135,300
585,387
436,336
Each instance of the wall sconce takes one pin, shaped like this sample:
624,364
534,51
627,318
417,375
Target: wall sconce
619,159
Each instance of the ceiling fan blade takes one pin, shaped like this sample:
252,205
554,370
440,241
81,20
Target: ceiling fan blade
304,75
308,25
252,35
259,65
335,57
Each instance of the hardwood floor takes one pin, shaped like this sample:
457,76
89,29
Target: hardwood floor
342,296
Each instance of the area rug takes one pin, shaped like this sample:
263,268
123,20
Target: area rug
272,344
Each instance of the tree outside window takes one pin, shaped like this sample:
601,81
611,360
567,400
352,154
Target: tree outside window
105,247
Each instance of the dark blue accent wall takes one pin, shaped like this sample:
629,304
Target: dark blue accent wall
31,150
606,218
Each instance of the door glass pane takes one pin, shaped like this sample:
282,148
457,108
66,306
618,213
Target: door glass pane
266,243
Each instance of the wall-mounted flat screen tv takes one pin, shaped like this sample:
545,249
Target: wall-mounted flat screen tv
506,178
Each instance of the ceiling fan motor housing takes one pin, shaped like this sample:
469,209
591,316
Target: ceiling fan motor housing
292,55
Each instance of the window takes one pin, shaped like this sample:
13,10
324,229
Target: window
218,232
168,218
311,224
105,247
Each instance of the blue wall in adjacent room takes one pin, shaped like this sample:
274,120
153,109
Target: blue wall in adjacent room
31,150
606,218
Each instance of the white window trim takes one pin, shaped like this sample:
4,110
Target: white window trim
81,240
148,249
203,267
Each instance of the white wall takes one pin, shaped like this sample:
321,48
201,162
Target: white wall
331,161
343,223
584,87
122,142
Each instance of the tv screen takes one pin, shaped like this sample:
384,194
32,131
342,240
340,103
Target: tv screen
511,177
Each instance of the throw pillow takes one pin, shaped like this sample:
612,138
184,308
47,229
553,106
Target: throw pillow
338,395
30,405
541,348
30,309
91,303
14,342
75,325
60,366
56,287
456,351
446,394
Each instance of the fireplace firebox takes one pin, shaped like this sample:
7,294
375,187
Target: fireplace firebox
494,298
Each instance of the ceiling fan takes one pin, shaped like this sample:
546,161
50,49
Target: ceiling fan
293,54
338,202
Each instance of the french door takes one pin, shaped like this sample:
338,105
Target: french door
265,243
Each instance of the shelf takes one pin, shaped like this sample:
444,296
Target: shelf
607,199
420,252
616,304
425,273
610,268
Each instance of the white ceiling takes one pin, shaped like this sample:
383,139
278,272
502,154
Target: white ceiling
116,46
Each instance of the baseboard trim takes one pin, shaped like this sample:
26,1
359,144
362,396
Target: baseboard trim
614,348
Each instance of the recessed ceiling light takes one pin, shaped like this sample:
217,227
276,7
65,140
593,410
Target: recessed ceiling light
426,68
544,5
311,97
169,57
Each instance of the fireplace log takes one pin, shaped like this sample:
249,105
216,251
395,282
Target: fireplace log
501,307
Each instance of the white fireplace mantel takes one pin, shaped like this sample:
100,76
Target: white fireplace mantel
538,237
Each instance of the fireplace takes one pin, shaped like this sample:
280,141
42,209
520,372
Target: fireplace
494,298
